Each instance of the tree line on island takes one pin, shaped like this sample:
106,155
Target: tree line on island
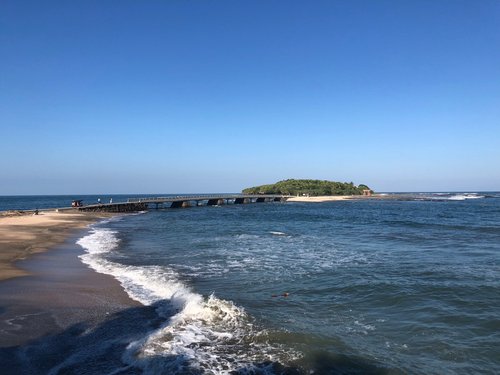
312,188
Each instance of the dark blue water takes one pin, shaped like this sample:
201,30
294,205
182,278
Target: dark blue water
343,287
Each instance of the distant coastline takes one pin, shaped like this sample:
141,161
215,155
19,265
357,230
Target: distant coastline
322,198
311,188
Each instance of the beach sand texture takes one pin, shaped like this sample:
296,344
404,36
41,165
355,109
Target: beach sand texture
59,300
25,235
59,292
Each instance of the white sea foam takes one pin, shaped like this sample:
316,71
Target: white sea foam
202,333
449,196
269,257
462,197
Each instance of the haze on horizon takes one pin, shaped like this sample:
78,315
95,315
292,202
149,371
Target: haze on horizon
190,97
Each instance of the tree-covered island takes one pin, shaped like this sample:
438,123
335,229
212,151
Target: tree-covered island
312,188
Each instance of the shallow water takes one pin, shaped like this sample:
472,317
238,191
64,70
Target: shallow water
342,287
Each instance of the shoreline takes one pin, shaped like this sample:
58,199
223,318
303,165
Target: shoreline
24,235
57,290
326,198
333,198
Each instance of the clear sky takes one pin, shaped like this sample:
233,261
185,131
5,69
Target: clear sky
213,96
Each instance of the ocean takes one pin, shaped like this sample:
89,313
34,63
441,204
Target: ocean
406,286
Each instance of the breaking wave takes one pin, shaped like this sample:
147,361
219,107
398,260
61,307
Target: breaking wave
199,333
447,196
462,197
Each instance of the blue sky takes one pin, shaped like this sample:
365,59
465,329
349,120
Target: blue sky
214,96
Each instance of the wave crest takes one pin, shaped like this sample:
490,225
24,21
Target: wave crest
199,333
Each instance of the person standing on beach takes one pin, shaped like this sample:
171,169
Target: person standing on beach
110,200
99,200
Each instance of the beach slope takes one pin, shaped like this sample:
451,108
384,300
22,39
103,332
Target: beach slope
22,235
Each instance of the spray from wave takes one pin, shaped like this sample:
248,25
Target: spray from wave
199,334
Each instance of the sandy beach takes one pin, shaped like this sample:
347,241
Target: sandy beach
59,302
324,198
22,235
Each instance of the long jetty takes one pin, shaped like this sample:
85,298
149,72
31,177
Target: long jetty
143,204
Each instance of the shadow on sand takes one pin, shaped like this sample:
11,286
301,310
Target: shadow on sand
82,349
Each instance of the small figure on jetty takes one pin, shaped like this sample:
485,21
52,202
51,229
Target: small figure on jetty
110,200
77,203
99,200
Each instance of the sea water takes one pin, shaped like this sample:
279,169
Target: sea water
372,286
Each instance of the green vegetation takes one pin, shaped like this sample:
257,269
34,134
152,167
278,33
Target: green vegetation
308,187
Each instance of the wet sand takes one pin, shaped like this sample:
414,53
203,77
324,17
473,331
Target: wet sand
22,235
66,318
56,290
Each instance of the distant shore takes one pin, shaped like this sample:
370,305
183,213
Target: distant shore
22,235
325,198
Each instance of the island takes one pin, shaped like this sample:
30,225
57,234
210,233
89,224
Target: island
312,190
